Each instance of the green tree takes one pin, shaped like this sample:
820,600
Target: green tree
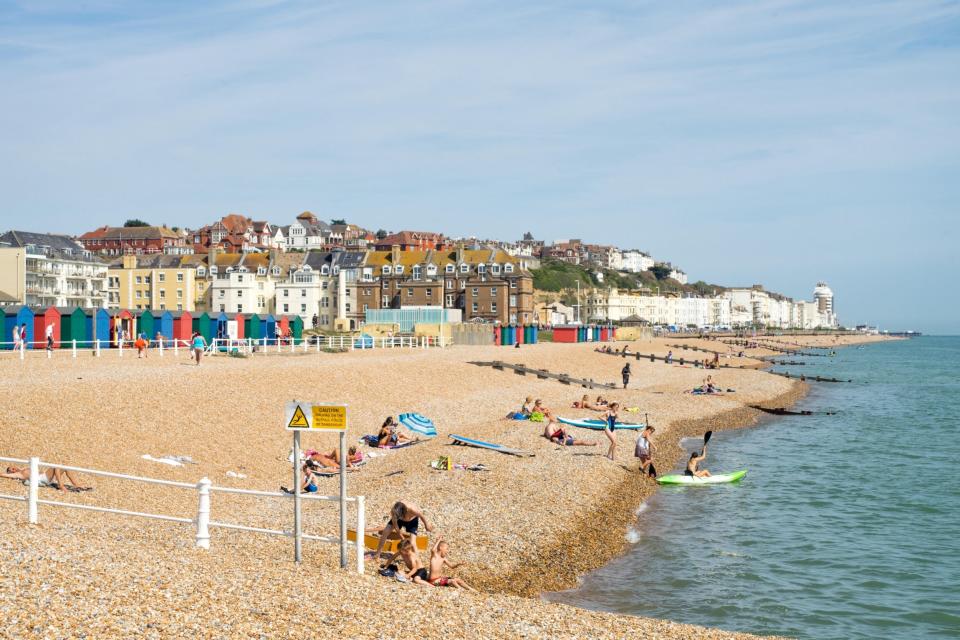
660,271
340,221
136,222
381,234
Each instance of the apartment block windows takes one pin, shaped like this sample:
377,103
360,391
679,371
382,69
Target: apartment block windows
475,292
179,277
493,307
409,293
475,307
161,277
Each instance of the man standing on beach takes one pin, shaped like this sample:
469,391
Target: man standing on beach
625,372
50,337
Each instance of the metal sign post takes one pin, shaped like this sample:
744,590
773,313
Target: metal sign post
307,416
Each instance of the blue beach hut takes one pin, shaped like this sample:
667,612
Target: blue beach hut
163,324
14,317
270,327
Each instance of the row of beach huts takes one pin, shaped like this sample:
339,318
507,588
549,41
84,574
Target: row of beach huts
109,327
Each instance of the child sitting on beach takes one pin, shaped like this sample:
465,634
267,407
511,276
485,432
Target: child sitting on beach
438,560
416,572
585,403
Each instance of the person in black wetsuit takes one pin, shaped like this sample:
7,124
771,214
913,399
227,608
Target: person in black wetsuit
625,372
405,518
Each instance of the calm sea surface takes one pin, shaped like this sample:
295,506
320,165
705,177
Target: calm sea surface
846,526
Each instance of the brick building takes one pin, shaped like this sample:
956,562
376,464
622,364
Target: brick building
115,241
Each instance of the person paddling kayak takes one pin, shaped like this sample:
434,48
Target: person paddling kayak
693,463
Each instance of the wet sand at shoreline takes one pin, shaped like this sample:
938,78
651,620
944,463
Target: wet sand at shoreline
525,526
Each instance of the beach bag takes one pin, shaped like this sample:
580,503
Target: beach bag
370,441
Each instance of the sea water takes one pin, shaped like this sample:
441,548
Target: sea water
846,526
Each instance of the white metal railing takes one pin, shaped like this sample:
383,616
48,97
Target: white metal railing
201,521
244,346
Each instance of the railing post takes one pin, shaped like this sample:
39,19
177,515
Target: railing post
98,347
160,346
318,344
22,349
34,484
278,345
264,344
74,348
361,526
176,347
120,344
203,514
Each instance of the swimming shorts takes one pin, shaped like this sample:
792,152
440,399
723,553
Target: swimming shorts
410,526
687,472
568,441
422,574
311,488
442,582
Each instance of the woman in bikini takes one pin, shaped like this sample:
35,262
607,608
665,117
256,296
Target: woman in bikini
389,436
611,416
405,518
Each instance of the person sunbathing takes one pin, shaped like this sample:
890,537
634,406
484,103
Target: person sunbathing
527,407
389,436
439,561
416,572
585,403
564,439
49,477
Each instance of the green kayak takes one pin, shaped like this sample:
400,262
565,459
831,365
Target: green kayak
717,478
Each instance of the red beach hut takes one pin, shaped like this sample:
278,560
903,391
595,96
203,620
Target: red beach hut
182,326
42,318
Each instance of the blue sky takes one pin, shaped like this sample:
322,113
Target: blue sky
748,142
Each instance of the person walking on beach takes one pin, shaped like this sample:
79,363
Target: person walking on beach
644,451
198,344
49,334
669,358
625,372
141,345
611,416
16,337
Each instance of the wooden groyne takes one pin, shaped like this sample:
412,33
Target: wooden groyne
681,360
770,347
543,374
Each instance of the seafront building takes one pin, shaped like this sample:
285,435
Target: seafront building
151,282
737,308
118,241
46,270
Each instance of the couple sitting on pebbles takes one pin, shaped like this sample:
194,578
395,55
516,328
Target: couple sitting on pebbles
405,518
318,463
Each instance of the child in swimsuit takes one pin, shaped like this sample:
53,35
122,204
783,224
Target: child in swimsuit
416,572
438,560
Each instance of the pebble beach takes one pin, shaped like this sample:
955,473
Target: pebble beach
524,526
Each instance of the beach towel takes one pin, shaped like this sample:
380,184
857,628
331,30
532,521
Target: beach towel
418,424
536,416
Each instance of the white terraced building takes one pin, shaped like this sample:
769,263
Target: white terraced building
44,270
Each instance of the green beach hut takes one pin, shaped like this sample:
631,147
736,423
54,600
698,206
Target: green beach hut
146,324
296,327
201,324
73,326
253,327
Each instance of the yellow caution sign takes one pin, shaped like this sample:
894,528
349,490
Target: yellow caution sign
298,420
313,416
329,417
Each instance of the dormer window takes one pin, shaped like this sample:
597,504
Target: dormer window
495,268
417,272
336,270
325,270
202,271
275,271
387,270
448,268
431,269
481,268
508,268
261,271
464,268
213,270
399,268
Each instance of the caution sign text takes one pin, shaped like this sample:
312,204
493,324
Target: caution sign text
312,416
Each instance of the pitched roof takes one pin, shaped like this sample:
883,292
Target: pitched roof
57,242
130,233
